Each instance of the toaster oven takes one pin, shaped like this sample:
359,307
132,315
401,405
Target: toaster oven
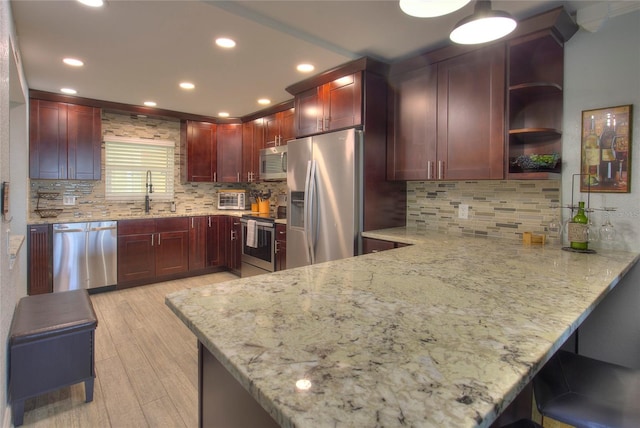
232,199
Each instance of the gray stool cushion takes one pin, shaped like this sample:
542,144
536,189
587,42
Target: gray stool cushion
584,392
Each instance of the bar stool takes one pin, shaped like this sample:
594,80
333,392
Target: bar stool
584,392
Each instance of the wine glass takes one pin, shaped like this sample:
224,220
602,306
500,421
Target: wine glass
593,232
554,227
607,231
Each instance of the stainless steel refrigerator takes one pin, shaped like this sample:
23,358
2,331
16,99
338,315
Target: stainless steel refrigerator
324,213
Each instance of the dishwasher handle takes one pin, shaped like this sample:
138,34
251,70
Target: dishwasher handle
56,230
102,228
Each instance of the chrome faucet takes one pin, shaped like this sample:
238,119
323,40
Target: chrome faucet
149,189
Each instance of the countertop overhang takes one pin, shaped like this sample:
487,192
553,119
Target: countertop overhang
444,333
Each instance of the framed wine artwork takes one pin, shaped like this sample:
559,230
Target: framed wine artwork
606,150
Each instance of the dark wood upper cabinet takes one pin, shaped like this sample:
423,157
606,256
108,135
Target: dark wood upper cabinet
252,143
329,107
229,140
279,127
471,123
448,119
64,141
201,151
536,73
411,151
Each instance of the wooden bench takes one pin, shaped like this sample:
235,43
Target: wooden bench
51,345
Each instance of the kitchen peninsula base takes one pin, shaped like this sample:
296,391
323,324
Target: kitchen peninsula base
222,401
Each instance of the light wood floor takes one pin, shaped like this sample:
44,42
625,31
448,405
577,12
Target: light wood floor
146,365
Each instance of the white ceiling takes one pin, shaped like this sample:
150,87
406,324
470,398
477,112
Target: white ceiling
140,50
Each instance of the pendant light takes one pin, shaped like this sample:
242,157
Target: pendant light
431,8
485,25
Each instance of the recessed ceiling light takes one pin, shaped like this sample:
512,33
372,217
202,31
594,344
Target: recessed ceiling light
73,62
223,114
225,42
92,3
150,103
68,91
187,85
305,68
264,101
431,8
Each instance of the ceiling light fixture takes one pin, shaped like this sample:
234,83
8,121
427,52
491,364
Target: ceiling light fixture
485,25
92,3
187,85
73,62
305,68
68,91
264,101
225,42
431,8
150,103
223,114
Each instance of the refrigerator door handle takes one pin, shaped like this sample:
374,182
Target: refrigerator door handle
311,229
306,210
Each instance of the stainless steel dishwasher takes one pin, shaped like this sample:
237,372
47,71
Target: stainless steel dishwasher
85,255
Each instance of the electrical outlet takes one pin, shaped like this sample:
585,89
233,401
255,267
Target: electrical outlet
68,200
463,211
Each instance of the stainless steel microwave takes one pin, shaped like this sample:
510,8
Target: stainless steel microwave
233,200
273,163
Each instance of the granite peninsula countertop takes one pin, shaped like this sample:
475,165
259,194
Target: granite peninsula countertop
444,333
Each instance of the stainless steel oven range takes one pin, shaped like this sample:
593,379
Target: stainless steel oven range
258,245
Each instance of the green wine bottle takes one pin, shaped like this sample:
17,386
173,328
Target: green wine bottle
578,229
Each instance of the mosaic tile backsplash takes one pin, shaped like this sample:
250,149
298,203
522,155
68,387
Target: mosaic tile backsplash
496,208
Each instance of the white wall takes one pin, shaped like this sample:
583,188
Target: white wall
13,151
602,69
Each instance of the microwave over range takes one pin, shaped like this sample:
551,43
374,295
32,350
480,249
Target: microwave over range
273,163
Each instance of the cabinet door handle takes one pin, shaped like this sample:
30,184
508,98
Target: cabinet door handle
191,222
158,239
319,124
429,170
215,176
209,221
440,170
152,239
238,177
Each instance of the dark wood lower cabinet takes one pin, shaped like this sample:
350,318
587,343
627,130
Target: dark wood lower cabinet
152,249
233,232
40,259
281,247
370,245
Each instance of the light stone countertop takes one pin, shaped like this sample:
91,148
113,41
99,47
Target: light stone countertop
444,333
234,213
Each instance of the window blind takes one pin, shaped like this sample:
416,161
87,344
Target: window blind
127,161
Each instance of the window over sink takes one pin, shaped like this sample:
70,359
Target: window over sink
127,161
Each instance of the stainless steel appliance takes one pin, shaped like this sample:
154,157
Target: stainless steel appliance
258,245
273,163
232,199
85,255
324,210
